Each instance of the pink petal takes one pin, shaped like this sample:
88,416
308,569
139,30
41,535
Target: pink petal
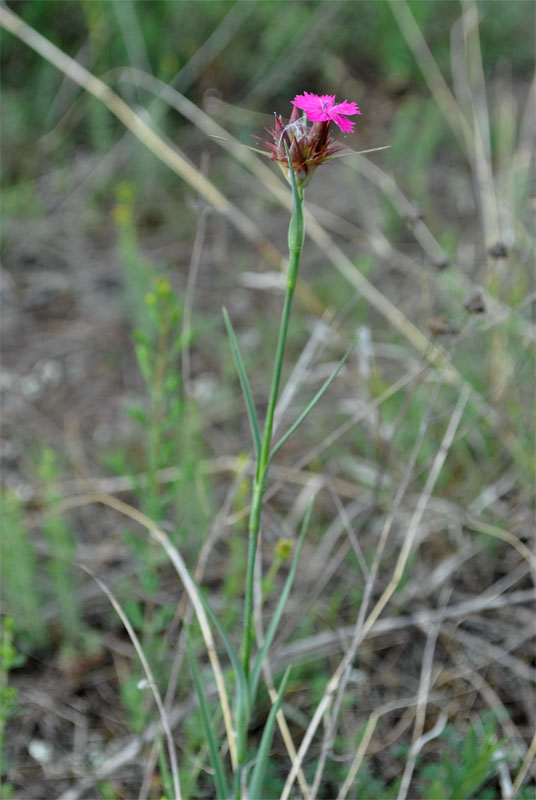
320,108
319,115
307,100
346,108
344,124
314,105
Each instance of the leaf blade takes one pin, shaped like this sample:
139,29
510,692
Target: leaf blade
244,383
274,622
257,777
305,413
217,765
241,681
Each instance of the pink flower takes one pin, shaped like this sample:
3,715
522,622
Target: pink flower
322,107
309,146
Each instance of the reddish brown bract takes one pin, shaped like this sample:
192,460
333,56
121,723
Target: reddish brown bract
309,145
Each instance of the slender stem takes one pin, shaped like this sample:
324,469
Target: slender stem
295,238
260,480
267,435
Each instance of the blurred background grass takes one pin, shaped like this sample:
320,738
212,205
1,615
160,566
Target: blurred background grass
115,365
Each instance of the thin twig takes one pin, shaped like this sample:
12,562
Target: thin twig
359,756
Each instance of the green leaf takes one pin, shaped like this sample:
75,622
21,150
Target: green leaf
217,766
167,780
257,777
274,622
137,414
305,413
244,384
145,364
239,144
241,682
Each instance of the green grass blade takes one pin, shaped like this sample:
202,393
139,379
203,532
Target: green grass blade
274,622
217,765
257,777
305,413
244,383
241,682
164,771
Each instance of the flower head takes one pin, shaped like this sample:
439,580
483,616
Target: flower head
308,146
322,107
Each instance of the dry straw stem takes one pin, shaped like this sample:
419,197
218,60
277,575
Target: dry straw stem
474,75
405,551
152,683
432,74
505,536
528,761
176,559
359,756
417,740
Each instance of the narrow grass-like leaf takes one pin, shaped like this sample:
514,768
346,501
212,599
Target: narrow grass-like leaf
164,771
252,414
257,777
359,152
264,153
274,622
217,765
241,682
305,413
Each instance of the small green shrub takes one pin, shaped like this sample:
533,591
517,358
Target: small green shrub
22,592
466,764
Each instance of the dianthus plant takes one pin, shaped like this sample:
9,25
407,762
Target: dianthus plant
299,146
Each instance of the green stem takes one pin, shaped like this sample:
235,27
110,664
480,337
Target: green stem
295,240
260,481
264,456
